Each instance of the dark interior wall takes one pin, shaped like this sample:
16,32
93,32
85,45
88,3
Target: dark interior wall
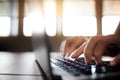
15,44
25,43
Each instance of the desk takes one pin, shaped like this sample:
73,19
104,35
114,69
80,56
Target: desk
18,66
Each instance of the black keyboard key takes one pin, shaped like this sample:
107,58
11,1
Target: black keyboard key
100,69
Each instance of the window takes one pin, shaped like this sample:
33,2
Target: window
76,16
8,18
111,16
4,18
34,10
78,19
79,25
109,24
33,16
27,28
50,17
4,26
68,17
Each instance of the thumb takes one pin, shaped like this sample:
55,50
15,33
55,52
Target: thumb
116,60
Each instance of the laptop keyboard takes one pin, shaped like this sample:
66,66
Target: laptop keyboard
78,66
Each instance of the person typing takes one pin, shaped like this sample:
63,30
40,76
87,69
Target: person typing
94,47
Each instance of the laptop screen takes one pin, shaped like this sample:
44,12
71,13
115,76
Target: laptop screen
41,51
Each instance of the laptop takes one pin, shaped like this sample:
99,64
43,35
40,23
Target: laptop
48,63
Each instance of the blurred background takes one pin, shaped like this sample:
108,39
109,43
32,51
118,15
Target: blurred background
61,19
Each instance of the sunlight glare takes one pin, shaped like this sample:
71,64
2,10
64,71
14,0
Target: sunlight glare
79,25
27,29
109,24
50,17
5,26
34,22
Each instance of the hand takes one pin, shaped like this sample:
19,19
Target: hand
96,46
70,45
99,45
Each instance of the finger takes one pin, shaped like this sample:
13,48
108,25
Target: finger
78,51
74,45
89,48
116,60
99,50
67,47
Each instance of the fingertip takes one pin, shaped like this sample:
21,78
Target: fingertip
67,54
73,56
115,61
87,60
77,52
98,60
112,63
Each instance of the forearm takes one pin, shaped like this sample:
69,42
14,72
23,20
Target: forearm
117,31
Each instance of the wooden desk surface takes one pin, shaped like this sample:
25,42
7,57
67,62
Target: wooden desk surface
18,66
